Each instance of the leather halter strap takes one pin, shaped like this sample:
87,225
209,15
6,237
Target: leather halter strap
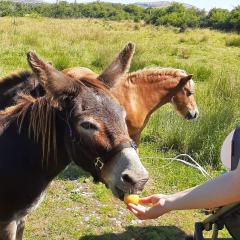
103,159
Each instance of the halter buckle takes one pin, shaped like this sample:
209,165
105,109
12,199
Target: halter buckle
98,163
133,145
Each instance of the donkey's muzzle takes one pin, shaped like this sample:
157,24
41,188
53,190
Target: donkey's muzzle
134,183
125,173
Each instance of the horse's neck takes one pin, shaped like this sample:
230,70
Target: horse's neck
141,94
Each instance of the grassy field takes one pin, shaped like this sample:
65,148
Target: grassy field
74,207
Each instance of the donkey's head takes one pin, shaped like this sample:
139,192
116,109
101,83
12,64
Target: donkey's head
184,100
95,132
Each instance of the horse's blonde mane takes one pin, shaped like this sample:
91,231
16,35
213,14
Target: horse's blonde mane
155,74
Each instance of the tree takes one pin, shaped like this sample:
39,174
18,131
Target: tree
218,18
234,19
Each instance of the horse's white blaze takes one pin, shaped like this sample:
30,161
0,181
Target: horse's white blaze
192,84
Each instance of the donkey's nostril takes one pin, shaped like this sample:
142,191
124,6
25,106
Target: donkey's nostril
128,179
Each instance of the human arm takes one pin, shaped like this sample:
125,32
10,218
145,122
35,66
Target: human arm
217,192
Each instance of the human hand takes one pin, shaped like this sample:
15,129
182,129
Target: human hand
143,213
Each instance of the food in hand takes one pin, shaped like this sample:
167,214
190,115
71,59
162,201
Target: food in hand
131,198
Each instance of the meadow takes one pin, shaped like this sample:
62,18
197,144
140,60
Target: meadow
74,207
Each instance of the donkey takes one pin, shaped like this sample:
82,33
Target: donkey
140,93
79,121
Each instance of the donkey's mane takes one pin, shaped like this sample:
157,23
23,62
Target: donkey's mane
42,115
15,78
41,124
155,74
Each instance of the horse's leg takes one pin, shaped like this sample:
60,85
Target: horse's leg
8,230
20,229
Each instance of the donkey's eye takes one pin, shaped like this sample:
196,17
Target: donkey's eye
88,126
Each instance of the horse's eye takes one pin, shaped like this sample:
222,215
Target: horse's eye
189,93
89,126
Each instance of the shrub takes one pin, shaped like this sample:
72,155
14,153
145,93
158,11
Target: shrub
61,62
233,42
185,53
201,73
204,38
136,27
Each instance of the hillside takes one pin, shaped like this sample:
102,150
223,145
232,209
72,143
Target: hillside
160,4
27,1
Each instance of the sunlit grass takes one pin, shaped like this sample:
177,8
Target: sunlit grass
66,214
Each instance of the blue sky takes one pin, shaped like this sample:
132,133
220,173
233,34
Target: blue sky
207,4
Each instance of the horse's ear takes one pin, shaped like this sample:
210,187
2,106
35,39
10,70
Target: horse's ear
184,80
53,81
119,66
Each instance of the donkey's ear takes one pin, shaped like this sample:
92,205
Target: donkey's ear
119,66
184,80
39,67
53,81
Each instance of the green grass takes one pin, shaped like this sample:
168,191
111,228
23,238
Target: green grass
74,207
98,215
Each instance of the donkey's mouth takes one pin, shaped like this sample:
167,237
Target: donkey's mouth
119,193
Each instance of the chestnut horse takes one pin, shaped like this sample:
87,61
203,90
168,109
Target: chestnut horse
140,93
77,121
144,91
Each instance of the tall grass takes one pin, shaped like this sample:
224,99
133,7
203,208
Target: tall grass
94,43
219,102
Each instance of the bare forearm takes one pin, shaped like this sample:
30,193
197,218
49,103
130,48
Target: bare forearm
220,191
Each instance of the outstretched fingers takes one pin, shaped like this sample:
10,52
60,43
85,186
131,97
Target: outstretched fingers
153,199
146,200
144,213
137,210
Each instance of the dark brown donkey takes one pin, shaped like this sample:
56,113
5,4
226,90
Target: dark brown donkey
77,121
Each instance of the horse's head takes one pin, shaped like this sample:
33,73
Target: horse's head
183,98
95,132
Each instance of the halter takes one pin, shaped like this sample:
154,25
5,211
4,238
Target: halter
104,158
101,159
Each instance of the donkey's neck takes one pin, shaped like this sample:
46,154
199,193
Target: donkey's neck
23,174
37,131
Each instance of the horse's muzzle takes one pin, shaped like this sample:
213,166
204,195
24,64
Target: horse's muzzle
192,115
